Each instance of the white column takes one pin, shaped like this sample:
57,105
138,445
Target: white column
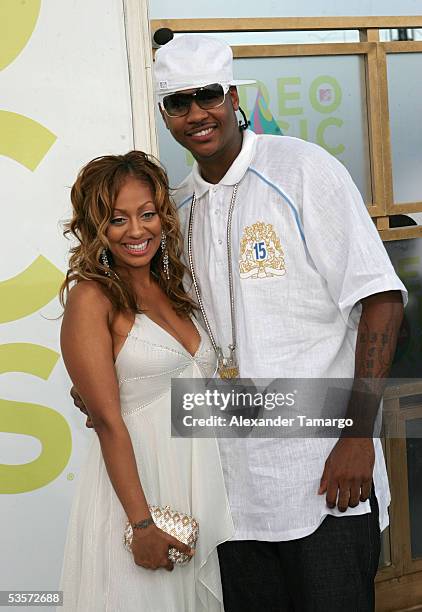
139,52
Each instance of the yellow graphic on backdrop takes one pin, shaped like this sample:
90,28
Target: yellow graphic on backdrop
30,290
41,422
23,139
28,358
17,22
51,429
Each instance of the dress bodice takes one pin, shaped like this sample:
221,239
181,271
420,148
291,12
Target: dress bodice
151,357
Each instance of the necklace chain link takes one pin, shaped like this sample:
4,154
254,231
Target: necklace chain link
227,366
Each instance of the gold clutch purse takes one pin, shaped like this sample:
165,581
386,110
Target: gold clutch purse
177,524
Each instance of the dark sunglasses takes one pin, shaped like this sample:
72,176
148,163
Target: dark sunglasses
210,96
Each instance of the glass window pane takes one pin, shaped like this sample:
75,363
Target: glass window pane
168,9
405,103
406,257
402,34
279,38
414,475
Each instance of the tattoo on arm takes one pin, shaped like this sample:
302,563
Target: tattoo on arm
375,346
375,349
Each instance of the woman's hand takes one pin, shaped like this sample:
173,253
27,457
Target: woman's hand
150,548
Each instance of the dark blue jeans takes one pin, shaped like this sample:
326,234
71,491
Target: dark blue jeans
331,570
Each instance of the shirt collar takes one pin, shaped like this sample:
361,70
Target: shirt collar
236,171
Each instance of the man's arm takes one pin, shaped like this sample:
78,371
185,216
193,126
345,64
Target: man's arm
347,475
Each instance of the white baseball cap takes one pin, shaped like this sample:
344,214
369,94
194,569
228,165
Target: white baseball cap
192,61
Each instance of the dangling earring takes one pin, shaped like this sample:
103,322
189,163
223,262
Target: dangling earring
165,254
104,260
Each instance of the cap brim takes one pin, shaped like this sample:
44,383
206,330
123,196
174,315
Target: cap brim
162,94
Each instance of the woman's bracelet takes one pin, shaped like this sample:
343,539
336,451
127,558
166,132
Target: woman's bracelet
143,524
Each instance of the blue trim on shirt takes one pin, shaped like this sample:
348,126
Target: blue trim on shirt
185,201
285,197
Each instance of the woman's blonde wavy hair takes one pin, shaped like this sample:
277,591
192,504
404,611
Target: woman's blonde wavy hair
93,197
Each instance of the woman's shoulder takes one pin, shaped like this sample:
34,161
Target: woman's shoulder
89,296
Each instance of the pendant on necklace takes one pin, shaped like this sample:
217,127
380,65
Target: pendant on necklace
227,366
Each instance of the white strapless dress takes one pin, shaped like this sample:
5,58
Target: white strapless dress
99,574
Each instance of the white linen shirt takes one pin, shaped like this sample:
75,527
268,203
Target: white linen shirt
300,322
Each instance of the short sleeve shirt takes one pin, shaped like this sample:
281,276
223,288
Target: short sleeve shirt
304,252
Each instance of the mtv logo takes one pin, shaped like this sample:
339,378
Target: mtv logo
325,95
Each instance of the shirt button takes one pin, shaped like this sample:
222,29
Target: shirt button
220,242
217,212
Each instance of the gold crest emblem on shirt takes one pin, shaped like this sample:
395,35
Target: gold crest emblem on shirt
261,254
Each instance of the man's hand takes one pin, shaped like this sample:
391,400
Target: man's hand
77,400
347,475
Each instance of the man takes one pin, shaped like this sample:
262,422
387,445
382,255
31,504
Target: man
314,296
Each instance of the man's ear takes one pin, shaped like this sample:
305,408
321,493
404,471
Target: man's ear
234,97
164,116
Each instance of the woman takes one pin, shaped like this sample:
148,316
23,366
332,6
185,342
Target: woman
128,328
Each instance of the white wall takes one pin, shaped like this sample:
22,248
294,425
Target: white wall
71,78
